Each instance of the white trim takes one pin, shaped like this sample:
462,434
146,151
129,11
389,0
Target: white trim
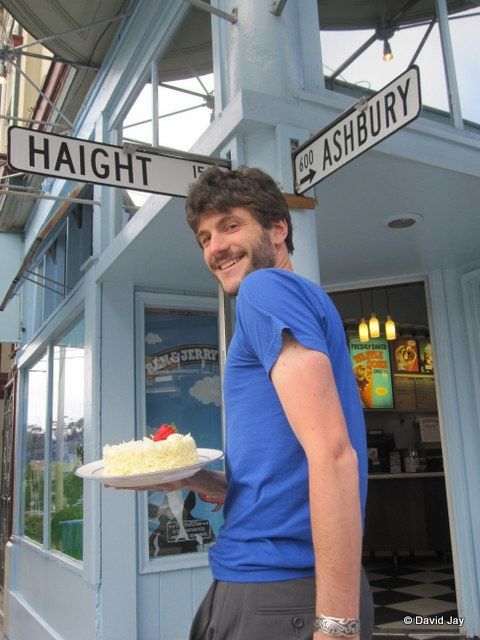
471,298
70,307
143,300
455,411
387,281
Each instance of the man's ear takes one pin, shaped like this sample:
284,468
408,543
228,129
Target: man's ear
278,231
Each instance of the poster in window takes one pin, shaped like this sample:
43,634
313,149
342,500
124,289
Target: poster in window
425,356
371,366
405,355
182,385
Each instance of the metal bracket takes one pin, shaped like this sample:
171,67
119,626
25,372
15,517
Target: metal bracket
45,286
361,104
132,146
277,7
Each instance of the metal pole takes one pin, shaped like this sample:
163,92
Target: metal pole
49,124
422,42
43,196
353,57
154,78
231,17
449,65
71,63
66,33
17,67
165,85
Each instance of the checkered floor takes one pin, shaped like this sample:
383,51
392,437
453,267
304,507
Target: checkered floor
417,588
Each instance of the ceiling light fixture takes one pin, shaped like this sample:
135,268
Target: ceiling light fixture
403,221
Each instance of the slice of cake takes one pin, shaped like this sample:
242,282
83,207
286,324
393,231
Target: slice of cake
164,451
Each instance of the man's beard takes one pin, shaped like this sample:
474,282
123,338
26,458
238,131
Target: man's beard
262,256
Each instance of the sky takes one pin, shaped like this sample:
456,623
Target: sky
371,71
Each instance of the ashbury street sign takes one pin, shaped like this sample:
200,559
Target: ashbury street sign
361,127
129,167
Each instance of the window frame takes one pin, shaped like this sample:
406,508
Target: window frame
66,316
144,300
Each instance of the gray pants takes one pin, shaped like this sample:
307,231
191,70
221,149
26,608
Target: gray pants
258,610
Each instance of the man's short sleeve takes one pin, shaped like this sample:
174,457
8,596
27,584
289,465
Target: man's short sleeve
272,301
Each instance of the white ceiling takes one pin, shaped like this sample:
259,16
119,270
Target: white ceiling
356,244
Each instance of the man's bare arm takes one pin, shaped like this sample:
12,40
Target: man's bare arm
304,381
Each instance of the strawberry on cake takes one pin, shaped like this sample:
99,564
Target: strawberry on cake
163,451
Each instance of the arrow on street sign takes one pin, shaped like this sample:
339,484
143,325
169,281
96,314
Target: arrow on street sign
140,168
360,128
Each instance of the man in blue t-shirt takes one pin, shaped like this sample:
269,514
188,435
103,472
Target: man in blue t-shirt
286,563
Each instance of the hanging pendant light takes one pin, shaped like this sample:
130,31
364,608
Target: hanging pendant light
390,331
374,326
363,326
387,51
363,331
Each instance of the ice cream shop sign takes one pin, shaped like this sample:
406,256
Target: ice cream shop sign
371,366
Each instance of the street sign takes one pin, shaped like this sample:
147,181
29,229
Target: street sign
130,167
360,128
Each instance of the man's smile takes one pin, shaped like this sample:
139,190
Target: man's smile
226,264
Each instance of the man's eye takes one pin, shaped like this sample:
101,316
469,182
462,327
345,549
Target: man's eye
232,226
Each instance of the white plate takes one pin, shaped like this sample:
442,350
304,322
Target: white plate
94,471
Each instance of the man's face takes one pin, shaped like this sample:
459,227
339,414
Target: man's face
234,244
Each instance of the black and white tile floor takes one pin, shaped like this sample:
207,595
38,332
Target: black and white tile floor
416,588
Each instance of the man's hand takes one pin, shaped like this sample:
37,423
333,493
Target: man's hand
205,481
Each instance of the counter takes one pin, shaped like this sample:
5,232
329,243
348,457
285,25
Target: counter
407,512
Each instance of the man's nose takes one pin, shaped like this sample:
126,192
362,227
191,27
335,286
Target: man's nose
218,244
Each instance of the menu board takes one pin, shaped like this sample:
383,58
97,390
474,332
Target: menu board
414,393
425,393
371,366
404,388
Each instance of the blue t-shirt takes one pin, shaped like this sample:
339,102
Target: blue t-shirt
266,535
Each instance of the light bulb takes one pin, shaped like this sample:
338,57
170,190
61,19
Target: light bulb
387,51
390,331
363,331
374,327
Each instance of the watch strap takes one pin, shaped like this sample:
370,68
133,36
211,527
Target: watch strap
336,627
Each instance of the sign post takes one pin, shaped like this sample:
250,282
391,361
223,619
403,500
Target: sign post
360,128
156,170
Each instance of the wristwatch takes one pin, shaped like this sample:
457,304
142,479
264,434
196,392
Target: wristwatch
336,627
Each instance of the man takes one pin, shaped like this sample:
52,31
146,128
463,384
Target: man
287,559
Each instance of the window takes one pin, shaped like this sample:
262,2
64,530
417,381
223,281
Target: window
174,104
178,373
58,268
54,445
182,385
33,484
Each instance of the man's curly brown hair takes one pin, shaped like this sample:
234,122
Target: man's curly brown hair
246,187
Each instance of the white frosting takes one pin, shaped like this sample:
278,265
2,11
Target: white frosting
145,456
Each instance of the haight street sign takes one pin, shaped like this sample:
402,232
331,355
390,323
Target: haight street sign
360,128
136,168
